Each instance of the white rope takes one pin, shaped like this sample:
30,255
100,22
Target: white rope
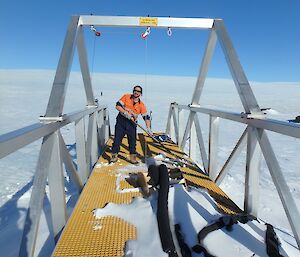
146,87
93,59
146,68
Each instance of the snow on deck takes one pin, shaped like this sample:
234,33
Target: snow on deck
113,217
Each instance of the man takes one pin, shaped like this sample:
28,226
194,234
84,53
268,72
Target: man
129,107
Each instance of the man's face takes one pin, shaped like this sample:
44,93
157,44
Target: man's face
137,92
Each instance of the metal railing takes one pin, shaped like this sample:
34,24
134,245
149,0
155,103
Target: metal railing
53,154
254,138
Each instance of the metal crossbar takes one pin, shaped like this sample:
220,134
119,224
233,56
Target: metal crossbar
159,22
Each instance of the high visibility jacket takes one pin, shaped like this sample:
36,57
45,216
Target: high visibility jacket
134,108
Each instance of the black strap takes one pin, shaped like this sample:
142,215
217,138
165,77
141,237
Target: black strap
200,249
175,173
272,242
224,221
184,249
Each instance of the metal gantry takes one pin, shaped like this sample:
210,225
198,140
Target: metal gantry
54,151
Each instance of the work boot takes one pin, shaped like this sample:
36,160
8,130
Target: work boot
114,157
133,159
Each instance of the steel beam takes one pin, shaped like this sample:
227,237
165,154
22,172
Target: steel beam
107,125
69,164
180,126
19,138
251,200
281,127
175,122
92,141
36,200
204,66
57,188
232,157
213,147
101,130
241,82
85,68
201,143
83,169
192,148
168,127
172,131
187,129
59,88
159,22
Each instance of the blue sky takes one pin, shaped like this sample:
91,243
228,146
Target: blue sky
265,33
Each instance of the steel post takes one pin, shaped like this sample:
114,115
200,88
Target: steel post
213,147
180,126
81,150
192,150
69,164
187,129
168,127
201,143
251,201
57,188
32,219
92,142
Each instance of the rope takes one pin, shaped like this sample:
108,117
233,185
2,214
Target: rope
146,88
146,67
93,59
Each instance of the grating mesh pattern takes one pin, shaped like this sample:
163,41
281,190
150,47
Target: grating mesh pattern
84,235
194,176
104,237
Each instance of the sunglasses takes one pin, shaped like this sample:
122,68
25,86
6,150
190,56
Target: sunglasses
137,91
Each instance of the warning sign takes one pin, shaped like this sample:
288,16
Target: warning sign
148,21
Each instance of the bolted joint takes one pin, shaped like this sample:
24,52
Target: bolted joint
47,119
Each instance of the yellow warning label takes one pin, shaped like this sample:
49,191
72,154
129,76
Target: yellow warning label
148,21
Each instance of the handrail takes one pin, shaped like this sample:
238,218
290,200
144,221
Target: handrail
49,166
12,141
257,142
281,127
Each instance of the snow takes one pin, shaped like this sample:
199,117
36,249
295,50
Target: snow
185,208
22,104
139,211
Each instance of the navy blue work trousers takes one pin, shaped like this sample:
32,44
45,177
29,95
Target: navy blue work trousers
124,127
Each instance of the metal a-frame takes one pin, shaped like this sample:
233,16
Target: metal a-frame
54,112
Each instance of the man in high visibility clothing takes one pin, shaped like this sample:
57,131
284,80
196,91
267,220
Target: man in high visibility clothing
129,107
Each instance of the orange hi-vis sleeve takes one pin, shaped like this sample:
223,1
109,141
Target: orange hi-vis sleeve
136,108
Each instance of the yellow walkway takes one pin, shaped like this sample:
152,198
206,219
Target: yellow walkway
84,235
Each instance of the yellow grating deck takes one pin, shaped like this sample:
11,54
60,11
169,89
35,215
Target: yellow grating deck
84,235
